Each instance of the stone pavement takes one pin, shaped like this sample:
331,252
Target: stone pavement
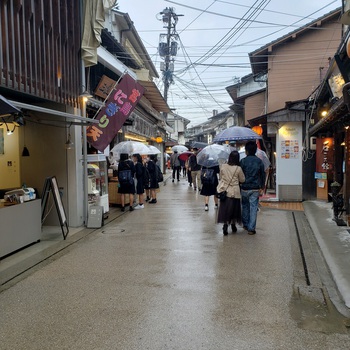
166,278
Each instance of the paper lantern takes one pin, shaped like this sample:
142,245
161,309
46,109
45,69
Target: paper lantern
159,139
258,129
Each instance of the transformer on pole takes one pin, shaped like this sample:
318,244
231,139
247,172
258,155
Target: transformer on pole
168,46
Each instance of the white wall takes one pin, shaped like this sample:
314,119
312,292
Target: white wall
289,155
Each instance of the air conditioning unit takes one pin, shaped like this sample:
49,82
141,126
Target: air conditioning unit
313,143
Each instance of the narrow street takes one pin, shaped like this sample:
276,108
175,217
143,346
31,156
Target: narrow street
165,277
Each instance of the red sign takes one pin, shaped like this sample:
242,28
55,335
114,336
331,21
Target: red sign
120,103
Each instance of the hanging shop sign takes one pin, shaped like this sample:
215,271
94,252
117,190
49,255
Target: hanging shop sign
120,103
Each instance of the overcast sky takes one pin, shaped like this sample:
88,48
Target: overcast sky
214,36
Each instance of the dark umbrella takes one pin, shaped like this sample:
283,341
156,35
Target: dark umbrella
236,133
199,145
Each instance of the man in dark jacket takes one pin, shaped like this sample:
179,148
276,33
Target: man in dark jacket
175,165
254,173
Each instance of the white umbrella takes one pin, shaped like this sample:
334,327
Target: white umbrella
213,155
130,147
179,148
153,150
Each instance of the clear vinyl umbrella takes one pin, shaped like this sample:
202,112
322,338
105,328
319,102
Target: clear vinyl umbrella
213,155
130,147
236,133
179,148
260,154
153,150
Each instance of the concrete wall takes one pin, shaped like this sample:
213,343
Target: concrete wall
295,69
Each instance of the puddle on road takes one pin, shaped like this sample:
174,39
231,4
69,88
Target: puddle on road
317,315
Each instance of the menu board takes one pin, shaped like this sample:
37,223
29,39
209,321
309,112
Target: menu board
290,149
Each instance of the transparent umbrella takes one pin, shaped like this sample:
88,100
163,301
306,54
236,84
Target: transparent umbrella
130,147
179,148
213,155
153,150
259,153
236,133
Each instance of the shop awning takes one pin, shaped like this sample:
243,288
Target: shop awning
111,62
7,108
154,96
54,116
337,113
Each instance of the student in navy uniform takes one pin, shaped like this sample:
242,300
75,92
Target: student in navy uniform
126,187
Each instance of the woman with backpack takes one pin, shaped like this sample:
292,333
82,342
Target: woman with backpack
209,180
140,178
152,168
126,173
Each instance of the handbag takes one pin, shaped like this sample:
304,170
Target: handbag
223,194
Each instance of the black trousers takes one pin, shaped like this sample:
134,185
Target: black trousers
176,170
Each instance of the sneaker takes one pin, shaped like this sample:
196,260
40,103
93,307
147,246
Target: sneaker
224,229
131,208
234,228
140,206
206,207
172,180
122,209
147,199
152,201
178,179
253,232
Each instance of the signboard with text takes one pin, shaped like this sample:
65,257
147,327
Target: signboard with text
119,105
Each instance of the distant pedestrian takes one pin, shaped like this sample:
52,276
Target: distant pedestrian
183,167
209,180
254,172
126,173
140,178
153,169
175,165
195,170
231,176
189,176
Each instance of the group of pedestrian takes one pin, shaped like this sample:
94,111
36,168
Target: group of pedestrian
145,173
241,182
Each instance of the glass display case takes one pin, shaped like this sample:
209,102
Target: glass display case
98,181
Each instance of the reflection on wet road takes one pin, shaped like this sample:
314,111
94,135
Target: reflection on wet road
166,278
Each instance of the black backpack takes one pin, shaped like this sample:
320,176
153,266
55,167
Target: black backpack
208,176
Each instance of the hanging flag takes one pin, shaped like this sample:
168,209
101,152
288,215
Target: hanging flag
118,106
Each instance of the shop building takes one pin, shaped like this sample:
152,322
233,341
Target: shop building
292,67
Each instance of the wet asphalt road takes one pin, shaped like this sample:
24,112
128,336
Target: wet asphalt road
166,278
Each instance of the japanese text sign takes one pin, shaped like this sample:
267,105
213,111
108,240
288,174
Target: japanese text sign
120,103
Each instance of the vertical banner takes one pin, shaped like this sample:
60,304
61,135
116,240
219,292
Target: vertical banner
119,105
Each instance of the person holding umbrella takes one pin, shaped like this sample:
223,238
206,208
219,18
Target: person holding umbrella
195,170
254,171
209,180
126,173
175,165
231,176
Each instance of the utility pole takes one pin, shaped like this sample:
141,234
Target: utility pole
168,45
